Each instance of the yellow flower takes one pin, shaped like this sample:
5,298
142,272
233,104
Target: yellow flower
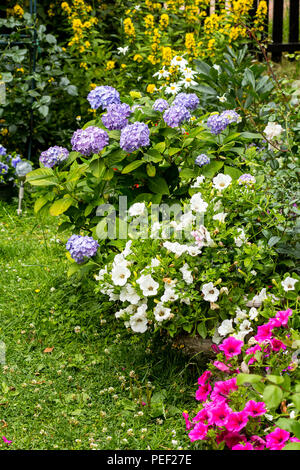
123,66
164,21
18,10
128,27
4,132
135,94
137,58
110,65
51,79
92,85
151,88
21,70
166,55
83,65
149,21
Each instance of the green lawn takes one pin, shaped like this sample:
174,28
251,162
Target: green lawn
79,395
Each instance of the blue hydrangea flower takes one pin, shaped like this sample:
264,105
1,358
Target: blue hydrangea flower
14,161
216,123
3,168
160,105
246,178
188,100
175,115
54,155
231,116
81,248
89,140
116,116
202,160
134,136
2,150
103,96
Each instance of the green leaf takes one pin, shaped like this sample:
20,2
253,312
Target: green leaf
158,185
188,173
212,168
42,177
272,396
233,172
296,400
60,206
97,168
248,378
275,379
132,166
290,425
292,446
74,268
173,151
151,170
202,331
160,147
39,203
273,241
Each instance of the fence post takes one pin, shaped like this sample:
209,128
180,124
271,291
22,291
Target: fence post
293,23
277,33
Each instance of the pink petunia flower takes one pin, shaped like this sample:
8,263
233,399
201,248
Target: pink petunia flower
231,347
263,332
258,442
199,432
203,392
230,438
188,424
218,415
283,316
247,446
223,388
277,439
255,408
236,421
277,345
204,377
221,366
201,416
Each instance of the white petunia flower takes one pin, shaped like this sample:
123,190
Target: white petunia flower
101,274
253,312
240,315
220,217
154,263
246,326
128,294
273,130
241,238
148,285
289,283
169,295
119,275
198,181
197,203
137,209
161,313
225,328
221,181
138,323
193,250
210,292
186,274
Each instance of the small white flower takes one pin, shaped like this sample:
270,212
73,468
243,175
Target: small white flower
253,312
198,181
245,326
222,98
253,272
129,294
77,329
123,50
240,315
210,292
119,275
169,295
225,328
273,130
197,203
179,61
187,82
193,250
241,238
289,283
161,313
138,323
173,89
163,73
148,285
221,181
137,209
186,274
220,217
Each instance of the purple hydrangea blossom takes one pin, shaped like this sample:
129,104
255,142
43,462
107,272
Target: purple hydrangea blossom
134,136
231,116
116,116
202,160
246,178
54,155
2,150
89,140
188,100
3,168
103,96
81,247
217,123
160,105
175,115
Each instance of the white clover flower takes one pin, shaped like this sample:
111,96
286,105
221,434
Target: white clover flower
221,181
241,238
129,294
138,323
77,329
225,328
273,130
161,313
220,217
137,209
119,275
148,285
197,203
198,182
289,283
210,292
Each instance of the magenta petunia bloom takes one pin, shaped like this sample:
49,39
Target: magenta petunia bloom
199,432
277,439
201,416
231,347
223,388
219,414
231,438
221,366
255,408
188,424
264,332
236,421
283,316
203,392
204,377
277,345
247,446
